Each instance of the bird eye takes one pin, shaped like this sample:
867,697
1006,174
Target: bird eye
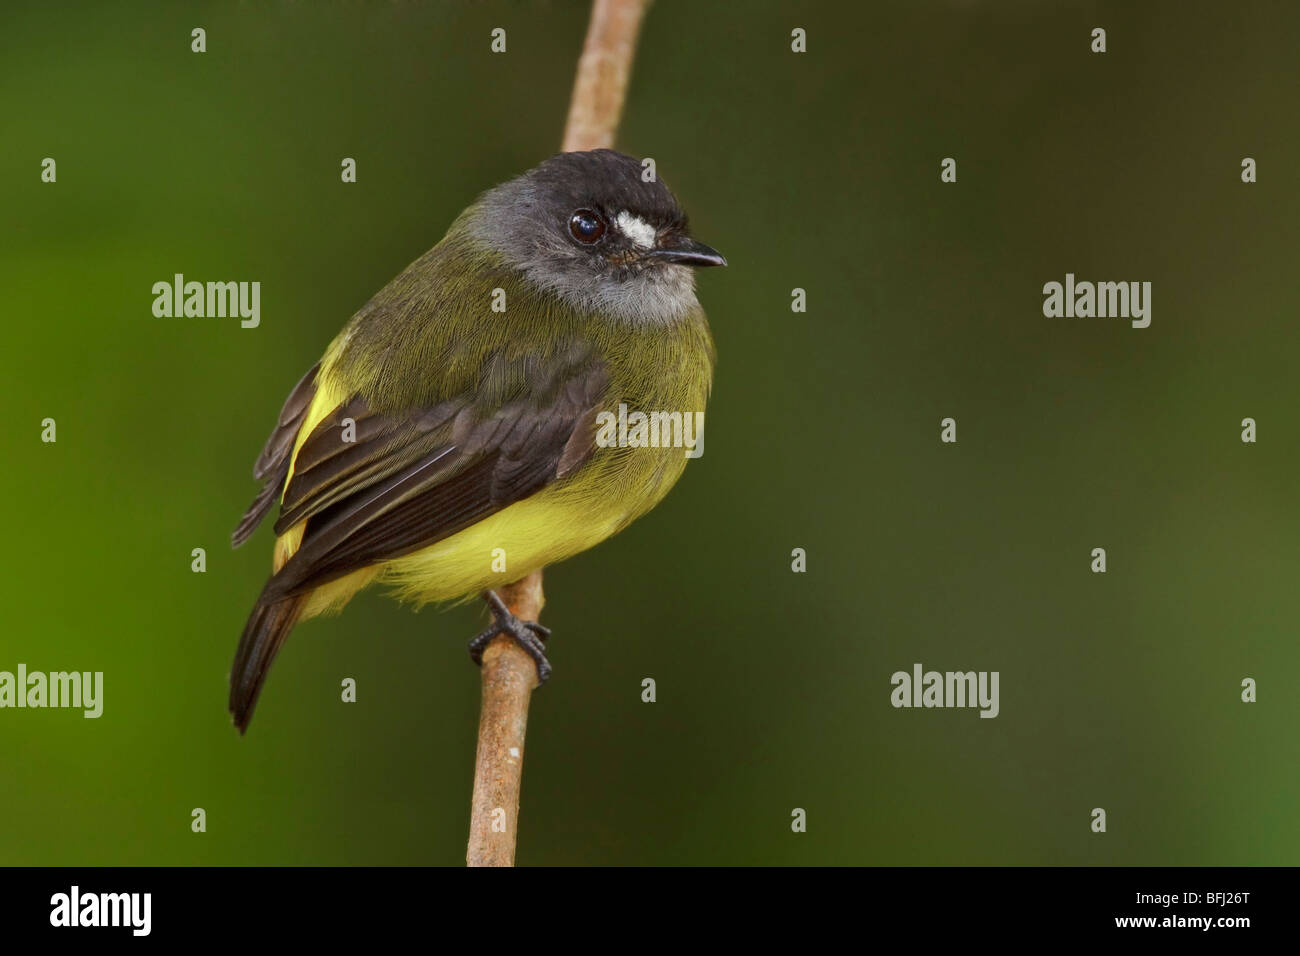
586,226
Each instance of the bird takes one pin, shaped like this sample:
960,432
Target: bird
453,421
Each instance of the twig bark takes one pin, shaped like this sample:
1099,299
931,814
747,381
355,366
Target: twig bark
509,674
603,71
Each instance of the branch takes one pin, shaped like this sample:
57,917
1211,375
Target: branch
509,674
603,71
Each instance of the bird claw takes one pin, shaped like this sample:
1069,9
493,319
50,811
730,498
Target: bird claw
529,635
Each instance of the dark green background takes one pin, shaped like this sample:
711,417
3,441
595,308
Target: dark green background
924,300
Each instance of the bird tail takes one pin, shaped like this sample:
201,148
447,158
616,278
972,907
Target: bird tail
268,626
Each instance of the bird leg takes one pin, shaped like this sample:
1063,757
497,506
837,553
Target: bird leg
529,635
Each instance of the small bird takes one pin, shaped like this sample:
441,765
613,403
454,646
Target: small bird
453,422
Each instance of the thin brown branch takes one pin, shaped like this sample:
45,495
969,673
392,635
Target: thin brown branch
509,674
603,72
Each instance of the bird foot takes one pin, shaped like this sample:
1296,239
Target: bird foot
529,635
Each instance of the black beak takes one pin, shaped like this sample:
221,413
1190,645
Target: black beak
687,252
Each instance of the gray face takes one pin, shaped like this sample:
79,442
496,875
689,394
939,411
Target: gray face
585,227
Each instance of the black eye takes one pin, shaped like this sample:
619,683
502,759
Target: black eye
586,225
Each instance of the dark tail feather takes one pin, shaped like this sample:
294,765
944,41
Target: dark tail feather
267,627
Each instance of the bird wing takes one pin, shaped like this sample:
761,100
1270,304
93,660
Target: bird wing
389,483
372,486
273,464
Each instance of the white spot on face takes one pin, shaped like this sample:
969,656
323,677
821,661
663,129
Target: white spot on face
637,229
514,752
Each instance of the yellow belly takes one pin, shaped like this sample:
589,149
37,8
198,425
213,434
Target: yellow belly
549,527
504,547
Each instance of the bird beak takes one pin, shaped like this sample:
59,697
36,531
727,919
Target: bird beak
686,251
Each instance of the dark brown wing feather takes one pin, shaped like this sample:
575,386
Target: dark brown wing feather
420,478
273,464
329,466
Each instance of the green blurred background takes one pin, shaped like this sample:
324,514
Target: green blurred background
818,171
